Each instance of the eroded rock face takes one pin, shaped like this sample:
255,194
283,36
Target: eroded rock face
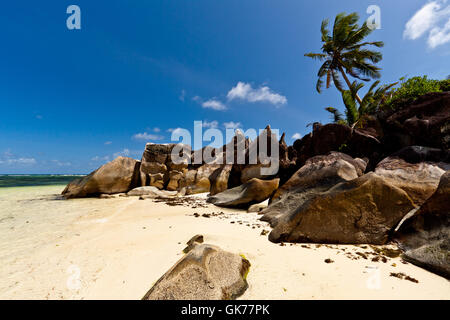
219,179
318,175
333,165
252,192
363,210
154,171
416,170
425,237
204,273
117,176
336,137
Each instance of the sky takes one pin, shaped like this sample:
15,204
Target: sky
73,99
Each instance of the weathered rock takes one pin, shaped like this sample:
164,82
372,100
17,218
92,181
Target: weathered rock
337,137
416,170
254,191
175,177
205,273
319,174
363,210
254,163
149,192
156,180
155,160
219,179
425,237
258,207
193,242
117,176
202,183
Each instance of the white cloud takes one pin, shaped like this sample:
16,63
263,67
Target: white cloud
107,143
245,91
124,153
23,161
439,36
182,95
427,20
8,158
296,136
61,163
214,104
212,124
147,136
98,158
232,125
156,129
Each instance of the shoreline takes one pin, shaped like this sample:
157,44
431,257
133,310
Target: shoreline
120,247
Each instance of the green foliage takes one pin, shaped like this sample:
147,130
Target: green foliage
371,102
344,52
413,88
444,85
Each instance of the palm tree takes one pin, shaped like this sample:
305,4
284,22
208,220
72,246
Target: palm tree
344,53
372,101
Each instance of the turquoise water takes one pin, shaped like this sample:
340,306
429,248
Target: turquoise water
7,181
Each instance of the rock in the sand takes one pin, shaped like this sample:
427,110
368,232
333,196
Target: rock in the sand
156,180
321,173
205,273
175,177
416,170
155,159
363,210
202,182
193,242
254,168
117,176
151,192
254,191
425,237
258,207
219,179
318,175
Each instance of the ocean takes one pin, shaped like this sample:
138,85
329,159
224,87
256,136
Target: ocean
19,180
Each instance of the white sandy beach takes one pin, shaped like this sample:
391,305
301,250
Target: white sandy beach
118,248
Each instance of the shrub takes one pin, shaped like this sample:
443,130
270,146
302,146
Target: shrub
444,85
413,88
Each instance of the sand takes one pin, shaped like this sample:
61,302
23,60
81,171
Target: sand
117,248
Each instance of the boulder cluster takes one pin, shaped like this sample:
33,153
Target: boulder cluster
388,180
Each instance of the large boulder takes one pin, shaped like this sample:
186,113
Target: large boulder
332,168
219,179
337,137
254,191
155,161
204,273
425,237
363,210
416,170
199,180
318,175
117,176
257,163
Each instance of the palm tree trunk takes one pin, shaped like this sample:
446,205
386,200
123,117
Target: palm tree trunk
349,84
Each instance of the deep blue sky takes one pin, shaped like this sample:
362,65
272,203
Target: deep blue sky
70,99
